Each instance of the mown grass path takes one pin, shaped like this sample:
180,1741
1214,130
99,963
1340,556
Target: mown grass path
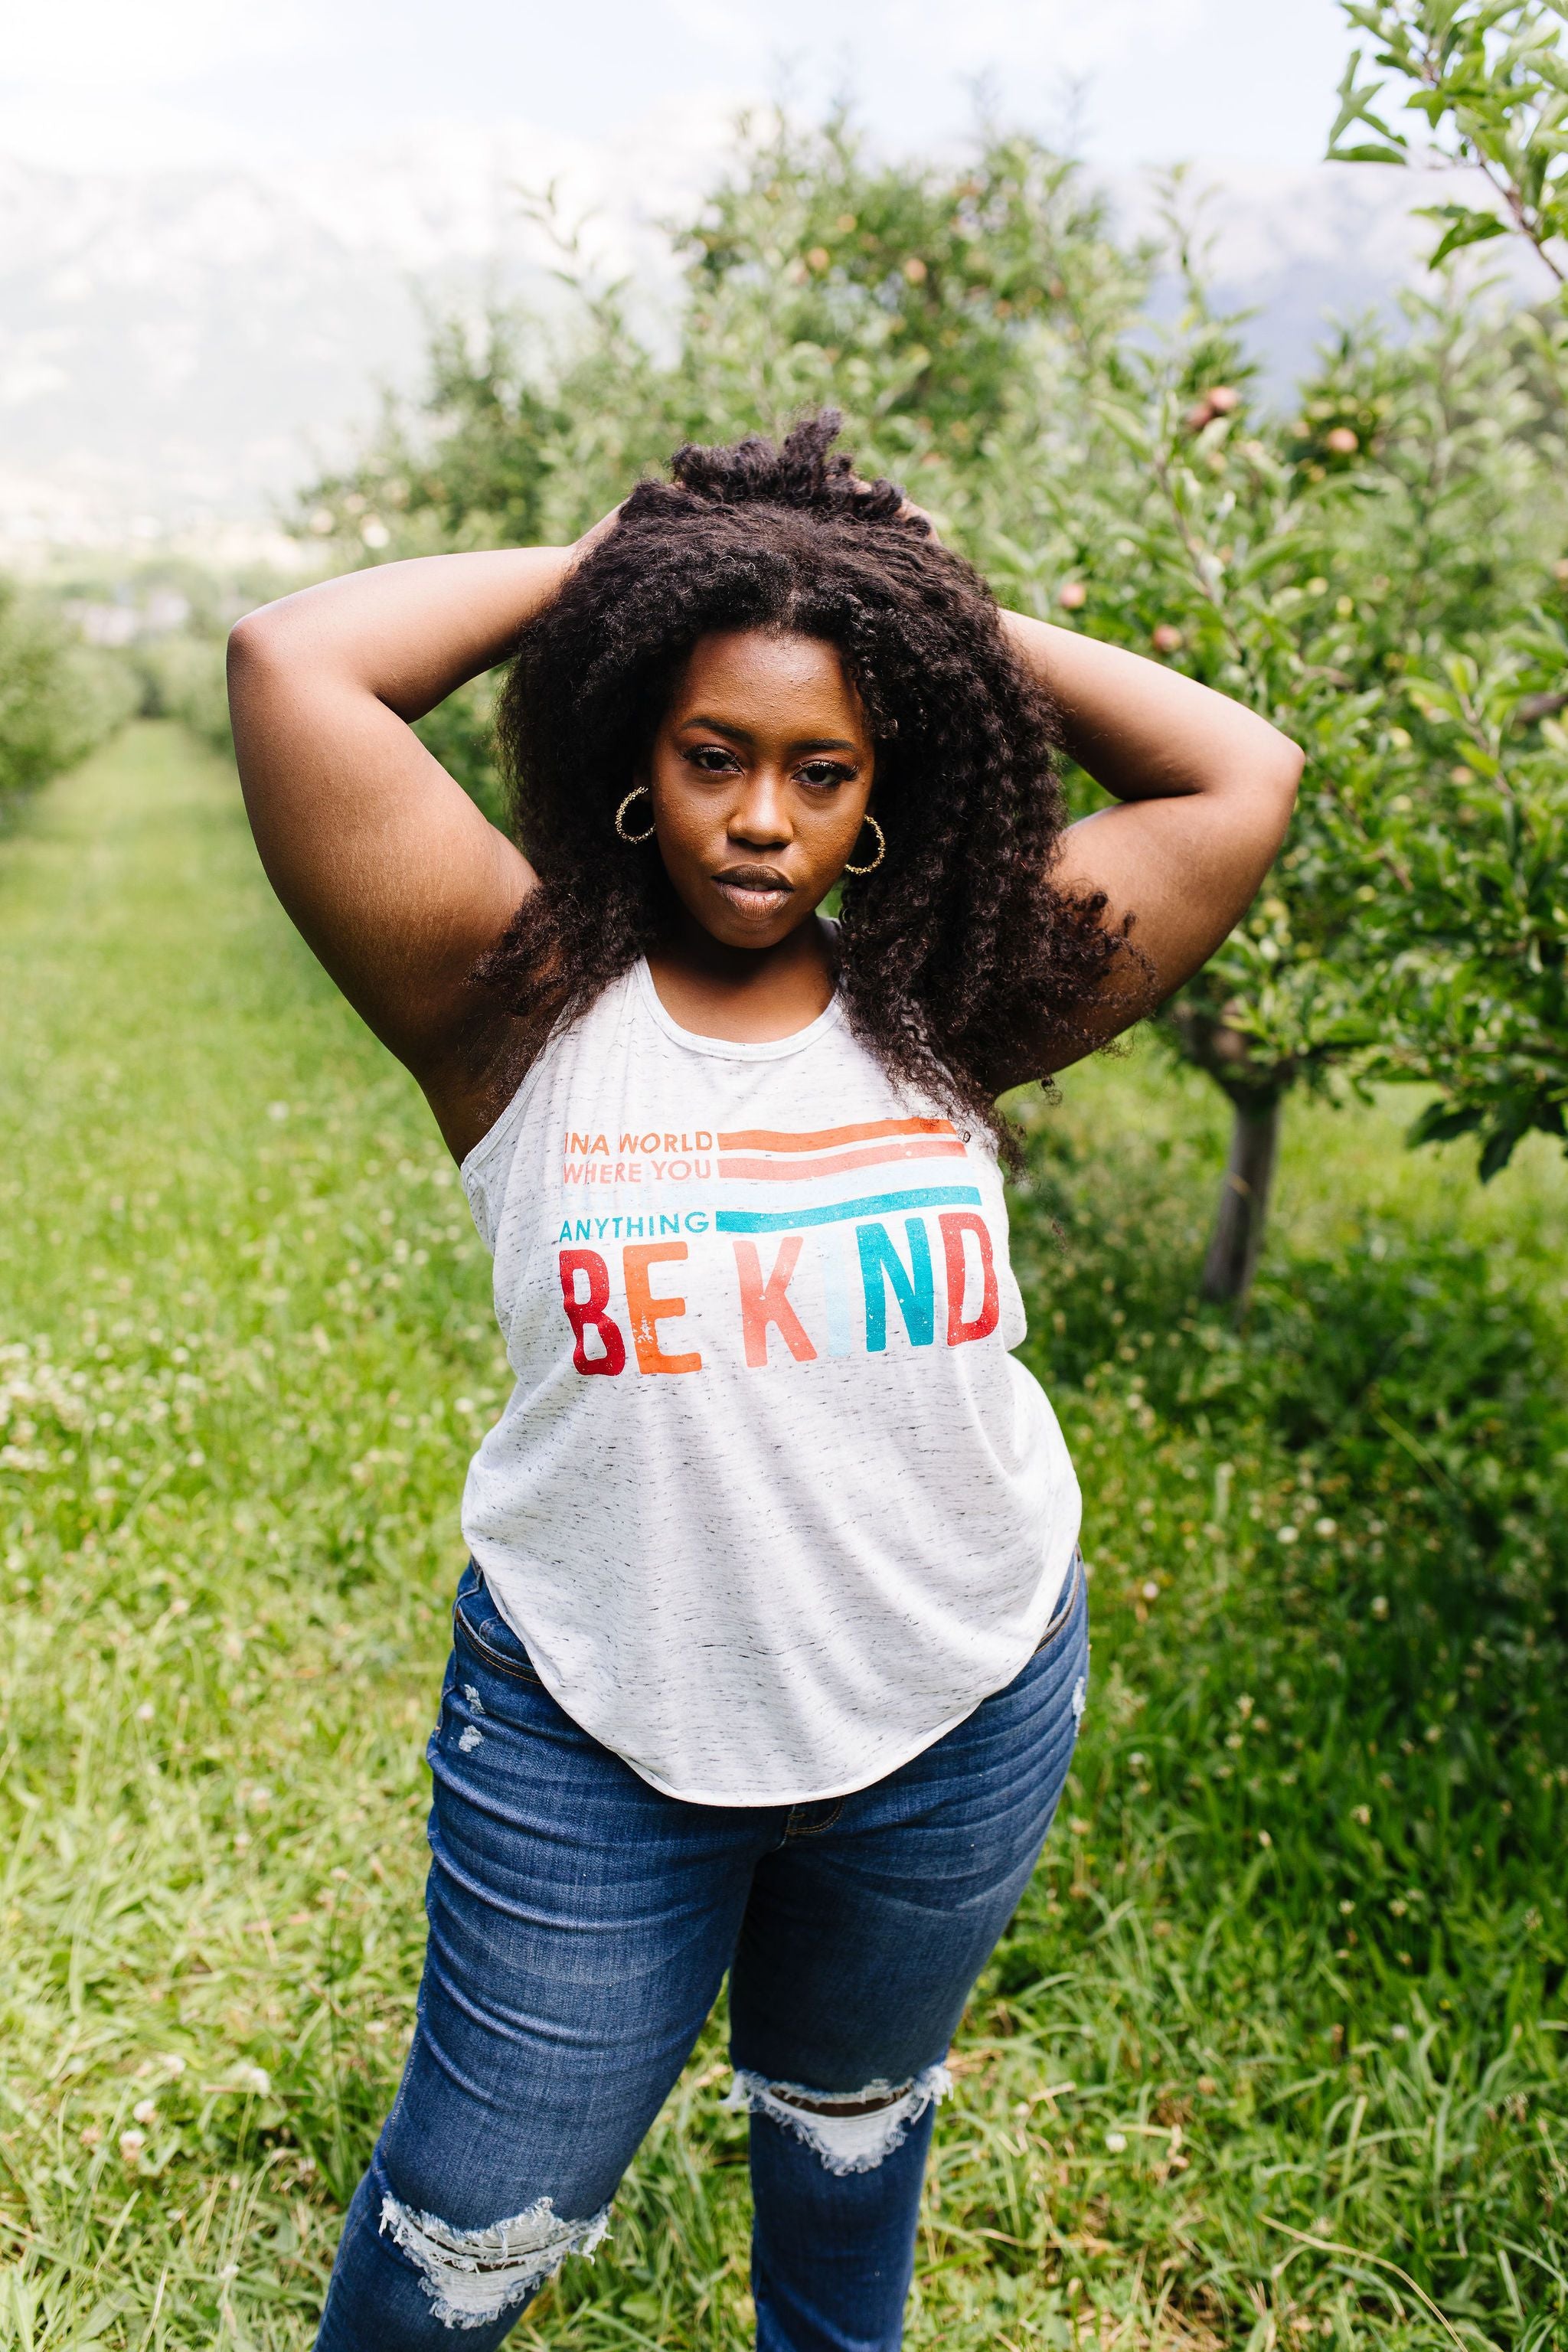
1274,2053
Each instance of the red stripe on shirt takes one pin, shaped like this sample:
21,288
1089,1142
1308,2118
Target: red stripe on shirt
797,1171
826,1139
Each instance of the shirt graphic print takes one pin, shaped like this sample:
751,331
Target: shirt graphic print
832,1265
772,1505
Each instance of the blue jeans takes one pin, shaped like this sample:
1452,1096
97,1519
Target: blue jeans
581,1924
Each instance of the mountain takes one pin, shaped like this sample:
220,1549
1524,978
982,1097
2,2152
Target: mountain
178,350
1307,246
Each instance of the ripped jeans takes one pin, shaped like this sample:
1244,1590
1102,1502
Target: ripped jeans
581,1924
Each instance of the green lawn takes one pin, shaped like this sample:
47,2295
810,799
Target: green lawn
1274,2053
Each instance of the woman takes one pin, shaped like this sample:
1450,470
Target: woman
772,1646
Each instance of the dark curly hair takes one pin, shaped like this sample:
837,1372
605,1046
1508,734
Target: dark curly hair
960,934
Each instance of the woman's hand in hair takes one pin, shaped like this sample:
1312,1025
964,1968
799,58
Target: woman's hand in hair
1206,791
592,536
907,512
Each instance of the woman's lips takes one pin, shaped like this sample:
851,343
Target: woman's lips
754,891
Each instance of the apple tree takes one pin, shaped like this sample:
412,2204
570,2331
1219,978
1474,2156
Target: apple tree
1480,949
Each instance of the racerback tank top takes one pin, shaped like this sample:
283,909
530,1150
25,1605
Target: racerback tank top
772,1506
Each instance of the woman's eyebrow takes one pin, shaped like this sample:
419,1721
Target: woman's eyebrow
716,727
745,735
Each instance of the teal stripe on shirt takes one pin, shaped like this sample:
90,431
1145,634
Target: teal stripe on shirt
880,1205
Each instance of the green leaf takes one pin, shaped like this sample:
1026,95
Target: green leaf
1368,153
1499,1148
1466,227
1440,1123
1355,106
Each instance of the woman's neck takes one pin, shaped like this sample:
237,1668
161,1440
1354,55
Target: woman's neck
748,995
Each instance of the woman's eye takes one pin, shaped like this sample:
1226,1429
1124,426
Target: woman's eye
711,759
824,773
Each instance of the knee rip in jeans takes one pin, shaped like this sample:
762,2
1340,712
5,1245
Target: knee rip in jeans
472,2276
851,2131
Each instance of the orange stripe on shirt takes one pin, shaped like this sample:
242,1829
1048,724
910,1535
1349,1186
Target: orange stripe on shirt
761,1138
797,1171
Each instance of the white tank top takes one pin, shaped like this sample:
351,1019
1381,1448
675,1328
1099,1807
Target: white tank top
772,1506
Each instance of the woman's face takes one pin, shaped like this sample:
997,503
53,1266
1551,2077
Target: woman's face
760,773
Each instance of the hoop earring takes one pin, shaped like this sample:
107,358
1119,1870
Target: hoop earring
634,837
881,848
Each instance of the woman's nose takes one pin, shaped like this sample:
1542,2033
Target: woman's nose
761,816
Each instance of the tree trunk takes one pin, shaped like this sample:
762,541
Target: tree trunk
1237,1236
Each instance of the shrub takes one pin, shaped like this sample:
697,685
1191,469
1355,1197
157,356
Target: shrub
57,699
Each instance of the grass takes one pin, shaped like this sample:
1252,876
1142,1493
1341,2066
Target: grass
1274,2053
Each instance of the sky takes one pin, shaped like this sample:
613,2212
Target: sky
144,84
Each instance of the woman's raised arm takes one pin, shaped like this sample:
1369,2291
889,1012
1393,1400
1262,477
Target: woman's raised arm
1205,790
393,877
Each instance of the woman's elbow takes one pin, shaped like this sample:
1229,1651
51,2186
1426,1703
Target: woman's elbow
1283,771
254,642
265,667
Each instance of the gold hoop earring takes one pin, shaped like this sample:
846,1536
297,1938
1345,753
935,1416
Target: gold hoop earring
881,848
634,837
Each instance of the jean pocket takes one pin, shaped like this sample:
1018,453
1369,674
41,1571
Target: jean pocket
477,1622
1061,1616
